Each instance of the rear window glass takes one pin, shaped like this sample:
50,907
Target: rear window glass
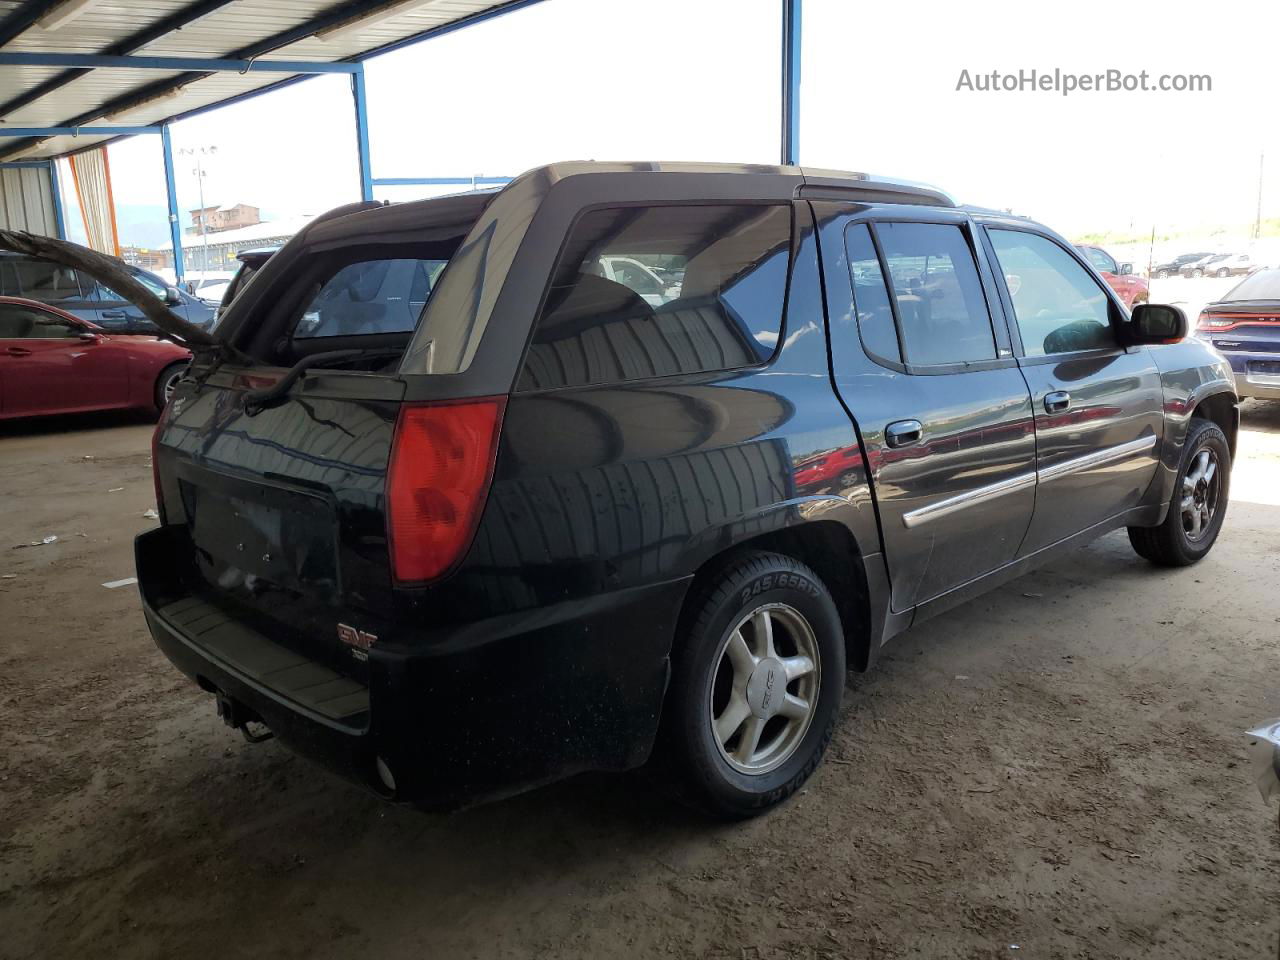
369,297
657,291
1264,285
941,306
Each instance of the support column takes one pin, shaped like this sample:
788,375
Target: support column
791,81
171,189
56,190
362,134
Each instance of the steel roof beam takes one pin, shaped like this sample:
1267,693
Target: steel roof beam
19,21
130,44
215,65
86,131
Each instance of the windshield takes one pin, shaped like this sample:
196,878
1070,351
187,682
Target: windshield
1263,285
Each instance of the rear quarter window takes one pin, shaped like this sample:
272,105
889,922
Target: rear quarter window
656,291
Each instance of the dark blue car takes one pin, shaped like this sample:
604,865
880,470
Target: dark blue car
79,294
1245,326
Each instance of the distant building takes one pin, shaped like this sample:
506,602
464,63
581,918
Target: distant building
217,252
217,219
147,258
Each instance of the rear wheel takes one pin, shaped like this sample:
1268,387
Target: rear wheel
1162,274
168,381
1197,272
1224,272
1199,502
756,685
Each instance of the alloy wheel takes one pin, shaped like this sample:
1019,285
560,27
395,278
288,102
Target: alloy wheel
765,688
1200,493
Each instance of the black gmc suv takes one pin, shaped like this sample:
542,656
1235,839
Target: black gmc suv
481,513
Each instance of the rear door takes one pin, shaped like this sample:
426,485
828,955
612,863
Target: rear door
1098,405
922,359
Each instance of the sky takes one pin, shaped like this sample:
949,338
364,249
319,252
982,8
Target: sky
699,80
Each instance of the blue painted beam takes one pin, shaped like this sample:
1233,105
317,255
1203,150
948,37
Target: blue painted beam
24,164
58,219
362,133
791,81
171,193
439,181
204,64
74,131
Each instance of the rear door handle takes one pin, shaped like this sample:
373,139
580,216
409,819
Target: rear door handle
112,314
1057,401
17,351
903,433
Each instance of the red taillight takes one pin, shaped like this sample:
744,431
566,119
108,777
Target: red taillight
441,465
1223,322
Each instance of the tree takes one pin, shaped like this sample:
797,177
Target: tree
112,273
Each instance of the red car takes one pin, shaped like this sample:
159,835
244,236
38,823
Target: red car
1132,288
52,362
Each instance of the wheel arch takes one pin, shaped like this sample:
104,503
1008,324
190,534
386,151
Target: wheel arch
1223,409
830,549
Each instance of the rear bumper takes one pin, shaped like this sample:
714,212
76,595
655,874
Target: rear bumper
488,710
1259,388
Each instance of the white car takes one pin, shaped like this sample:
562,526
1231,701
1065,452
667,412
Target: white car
632,273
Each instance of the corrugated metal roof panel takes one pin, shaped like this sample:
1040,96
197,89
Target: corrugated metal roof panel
221,33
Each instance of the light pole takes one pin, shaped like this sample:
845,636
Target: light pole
199,153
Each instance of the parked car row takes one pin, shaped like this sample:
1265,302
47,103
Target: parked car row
1202,264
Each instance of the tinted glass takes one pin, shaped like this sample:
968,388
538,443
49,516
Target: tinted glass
1059,307
941,306
22,323
716,305
368,297
44,280
870,295
1263,285
1100,259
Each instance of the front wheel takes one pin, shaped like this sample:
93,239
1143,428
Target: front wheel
1197,273
756,685
1199,502
1224,272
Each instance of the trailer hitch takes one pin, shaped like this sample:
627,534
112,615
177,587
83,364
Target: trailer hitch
238,717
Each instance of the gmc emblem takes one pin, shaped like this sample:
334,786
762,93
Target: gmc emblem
358,640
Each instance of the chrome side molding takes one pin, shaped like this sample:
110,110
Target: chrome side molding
970,498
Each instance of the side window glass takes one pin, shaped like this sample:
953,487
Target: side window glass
1058,306
610,316
870,295
22,323
941,306
46,281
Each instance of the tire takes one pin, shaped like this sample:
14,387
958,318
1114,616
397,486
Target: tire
1224,273
1187,535
722,775
1197,273
1162,274
167,380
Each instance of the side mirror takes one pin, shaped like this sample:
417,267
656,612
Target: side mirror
172,297
1126,269
1158,323
88,336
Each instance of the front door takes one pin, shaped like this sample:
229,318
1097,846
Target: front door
1098,405
930,380
53,365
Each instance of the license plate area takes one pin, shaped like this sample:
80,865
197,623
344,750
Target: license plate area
254,534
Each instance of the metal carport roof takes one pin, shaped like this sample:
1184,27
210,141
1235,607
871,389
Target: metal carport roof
64,93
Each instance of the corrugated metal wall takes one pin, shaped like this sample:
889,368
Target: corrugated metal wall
26,201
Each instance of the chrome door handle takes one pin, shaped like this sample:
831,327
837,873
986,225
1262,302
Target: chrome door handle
17,351
903,433
1057,401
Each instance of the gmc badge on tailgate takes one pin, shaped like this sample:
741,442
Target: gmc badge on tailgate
358,640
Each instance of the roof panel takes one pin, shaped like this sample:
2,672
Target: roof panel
220,33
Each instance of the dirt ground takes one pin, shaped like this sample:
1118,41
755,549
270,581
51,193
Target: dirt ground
1057,768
